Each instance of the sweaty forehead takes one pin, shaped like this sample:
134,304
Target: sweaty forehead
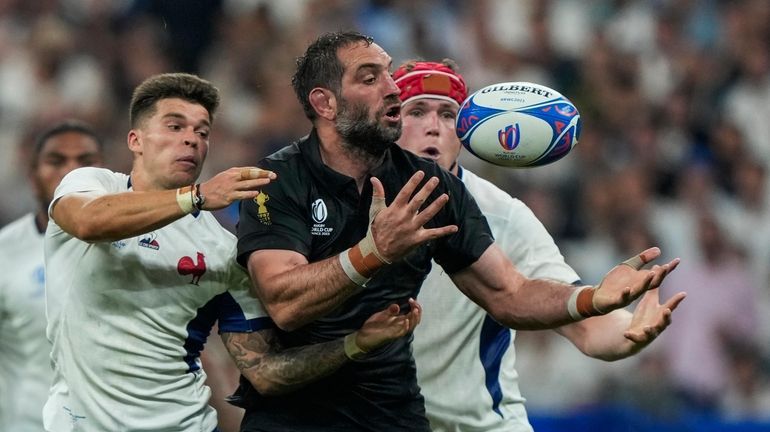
360,55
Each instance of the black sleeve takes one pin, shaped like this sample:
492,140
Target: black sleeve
465,247
275,219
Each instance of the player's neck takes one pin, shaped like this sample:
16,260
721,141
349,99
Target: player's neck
339,157
41,219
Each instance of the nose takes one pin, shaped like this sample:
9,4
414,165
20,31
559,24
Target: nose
391,86
191,138
432,123
70,165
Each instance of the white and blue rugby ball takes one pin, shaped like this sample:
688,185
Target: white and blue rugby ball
518,124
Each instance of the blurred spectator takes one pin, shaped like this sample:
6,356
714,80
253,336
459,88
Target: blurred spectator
721,313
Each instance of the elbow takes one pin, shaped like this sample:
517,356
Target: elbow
284,317
89,232
267,387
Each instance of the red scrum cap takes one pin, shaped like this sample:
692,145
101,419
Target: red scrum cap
430,80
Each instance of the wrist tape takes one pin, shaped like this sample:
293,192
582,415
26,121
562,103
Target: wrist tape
352,350
185,199
581,303
361,261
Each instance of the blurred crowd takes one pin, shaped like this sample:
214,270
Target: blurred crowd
674,97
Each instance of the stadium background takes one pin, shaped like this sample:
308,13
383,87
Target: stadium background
675,98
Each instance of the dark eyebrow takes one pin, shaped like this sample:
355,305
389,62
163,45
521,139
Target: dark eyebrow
180,116
368,66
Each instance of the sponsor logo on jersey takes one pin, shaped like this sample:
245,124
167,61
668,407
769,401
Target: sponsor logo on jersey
119,244
319,212
262,214
186,266
149,241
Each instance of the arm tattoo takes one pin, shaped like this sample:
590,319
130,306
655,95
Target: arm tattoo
271,369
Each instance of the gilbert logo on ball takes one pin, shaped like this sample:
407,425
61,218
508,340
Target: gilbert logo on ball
518,124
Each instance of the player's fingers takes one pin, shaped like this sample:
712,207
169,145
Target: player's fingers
251,173
659,273
638,261
422,195
674,301
378,191
434,233
673,264
427,214
636,337
415,313
393,310
406,192
253,184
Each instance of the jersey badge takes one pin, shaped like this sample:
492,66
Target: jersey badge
149,241
187,266
119,244
262,214
319,212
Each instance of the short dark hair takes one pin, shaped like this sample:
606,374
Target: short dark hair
171,85
70,125
320,66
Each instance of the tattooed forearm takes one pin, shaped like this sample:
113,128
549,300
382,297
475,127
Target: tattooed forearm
273,370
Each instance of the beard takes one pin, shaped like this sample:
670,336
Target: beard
361,135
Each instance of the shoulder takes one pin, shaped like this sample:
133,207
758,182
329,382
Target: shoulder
491,199
291,154
96,176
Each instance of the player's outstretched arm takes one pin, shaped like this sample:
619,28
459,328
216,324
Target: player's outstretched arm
521,303
95,217
273,370
620,333
296,292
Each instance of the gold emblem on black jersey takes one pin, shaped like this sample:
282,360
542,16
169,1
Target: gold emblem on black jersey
262,214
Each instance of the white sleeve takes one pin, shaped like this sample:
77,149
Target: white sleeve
90,179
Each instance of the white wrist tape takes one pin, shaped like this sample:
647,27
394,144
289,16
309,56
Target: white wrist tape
572,305
350,269
184,198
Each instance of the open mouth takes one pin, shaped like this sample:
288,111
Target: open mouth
393,113
431,153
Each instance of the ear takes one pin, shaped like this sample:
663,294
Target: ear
134,141
324,102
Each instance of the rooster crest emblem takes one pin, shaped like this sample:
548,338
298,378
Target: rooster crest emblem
187,266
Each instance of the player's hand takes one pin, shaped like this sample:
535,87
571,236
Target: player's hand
234,184
388,325
650,318
398,228
627,281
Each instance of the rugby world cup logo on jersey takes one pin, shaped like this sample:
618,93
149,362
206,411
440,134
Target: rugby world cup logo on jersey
319,212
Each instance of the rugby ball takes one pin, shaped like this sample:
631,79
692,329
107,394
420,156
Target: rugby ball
518,124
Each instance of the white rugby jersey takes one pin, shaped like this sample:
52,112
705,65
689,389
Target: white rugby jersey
128,319
25,366
465,360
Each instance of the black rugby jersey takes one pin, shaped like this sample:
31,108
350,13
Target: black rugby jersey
319,213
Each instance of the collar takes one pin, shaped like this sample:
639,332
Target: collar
332,180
